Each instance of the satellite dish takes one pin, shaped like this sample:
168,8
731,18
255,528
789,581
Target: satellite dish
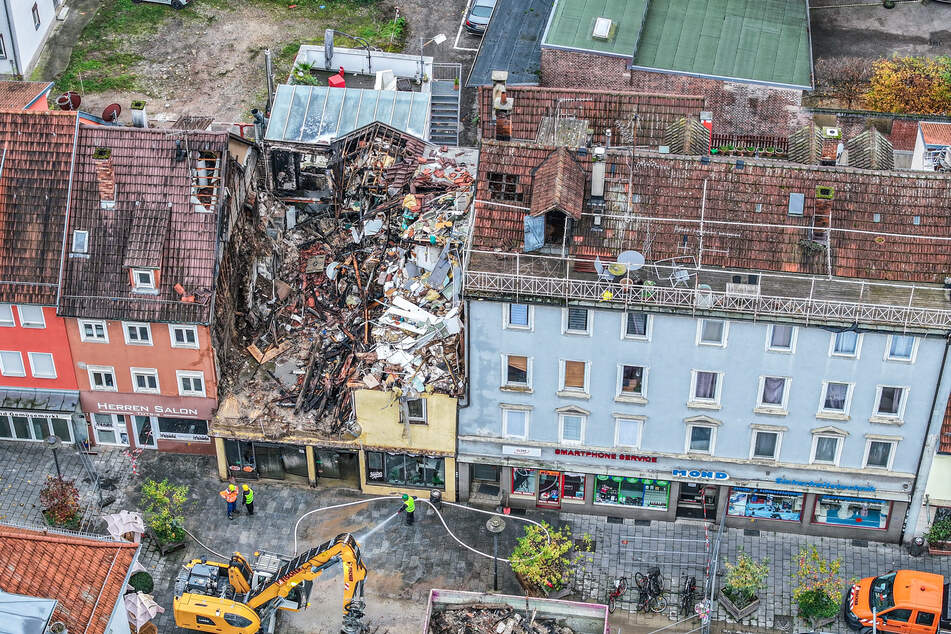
69,100
112,112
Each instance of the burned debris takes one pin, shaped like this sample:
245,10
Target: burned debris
487,618
359,288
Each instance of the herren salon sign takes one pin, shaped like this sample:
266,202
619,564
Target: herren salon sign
604,455
148,410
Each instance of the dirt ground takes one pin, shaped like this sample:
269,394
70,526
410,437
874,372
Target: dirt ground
912,28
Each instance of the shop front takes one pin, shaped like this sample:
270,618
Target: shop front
35,415
251,460
173,424
402,471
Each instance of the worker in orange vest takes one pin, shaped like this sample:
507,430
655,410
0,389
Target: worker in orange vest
231,497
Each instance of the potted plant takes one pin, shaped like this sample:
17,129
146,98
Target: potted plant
750,150
455,84
542,559
770,151
59,499
939,536
743,580
818,587
164,506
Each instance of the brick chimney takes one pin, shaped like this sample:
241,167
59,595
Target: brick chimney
105,177
501,106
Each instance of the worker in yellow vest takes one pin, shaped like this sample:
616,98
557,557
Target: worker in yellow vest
247,497
231,497
409,506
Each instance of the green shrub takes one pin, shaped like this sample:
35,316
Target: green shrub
818,584
744,579
544,560
60,501
142,582
940,531
164,506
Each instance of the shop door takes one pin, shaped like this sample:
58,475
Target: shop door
144,434
549,489
270,461
697,501
110,429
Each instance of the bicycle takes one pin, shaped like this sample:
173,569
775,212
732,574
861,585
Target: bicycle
651,591
688,595
620,587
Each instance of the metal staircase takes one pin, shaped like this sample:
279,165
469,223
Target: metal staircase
444,107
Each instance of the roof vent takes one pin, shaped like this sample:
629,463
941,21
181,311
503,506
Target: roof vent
139,117
597,173
831,133
602,28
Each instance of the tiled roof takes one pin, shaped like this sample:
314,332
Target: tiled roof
153,189
85,576
944,441
633,118
558,183
745,211
34,184
805,145
687,136
936,133
871,150
19,95
904,134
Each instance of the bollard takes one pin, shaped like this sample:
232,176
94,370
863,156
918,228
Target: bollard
435,498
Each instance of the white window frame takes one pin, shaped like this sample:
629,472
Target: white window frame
181,374
81,323
842,355
138,285
767,430
33,365
561,428
693,401
7,309
136,324
626,397
648,327
508,325
636,420
793,339
171,336
711,344
770,408
31,324
840,441
517,387
102,369
898,418
82,237
833,414
3,47
3,368
579,333
713,438
574,392
412,420
508,409
145,372
914,350
890,440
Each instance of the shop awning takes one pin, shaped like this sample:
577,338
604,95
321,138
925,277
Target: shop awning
39,400
939,481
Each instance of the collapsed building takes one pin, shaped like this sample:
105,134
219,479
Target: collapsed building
351,340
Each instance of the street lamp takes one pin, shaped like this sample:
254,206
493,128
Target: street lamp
495,525
437,40
53,442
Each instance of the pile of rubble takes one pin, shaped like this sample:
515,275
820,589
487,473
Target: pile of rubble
362,288
480,618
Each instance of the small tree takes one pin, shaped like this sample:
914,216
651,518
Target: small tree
910,85
60,501
844,78
542,560
164,506
818,585
744,579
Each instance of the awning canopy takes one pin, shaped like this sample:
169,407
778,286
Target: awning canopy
39,400
319,114
939,481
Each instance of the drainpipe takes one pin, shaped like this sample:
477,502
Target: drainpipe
466,358
13,39
269,70
926,457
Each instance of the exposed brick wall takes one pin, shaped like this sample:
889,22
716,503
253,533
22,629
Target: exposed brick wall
737,108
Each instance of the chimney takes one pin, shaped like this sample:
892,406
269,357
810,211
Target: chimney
597,173
706,120
501,106
139,118
105,177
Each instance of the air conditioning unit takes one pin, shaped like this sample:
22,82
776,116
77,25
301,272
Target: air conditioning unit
831,133
602,29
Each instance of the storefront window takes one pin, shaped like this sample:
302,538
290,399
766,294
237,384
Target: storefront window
21,427
574,487
172,428
241,460
328,463
34,427
856,512
401,469
549,487
523,481
774,505
638,492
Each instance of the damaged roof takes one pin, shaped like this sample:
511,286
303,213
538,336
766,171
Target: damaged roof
884,225
633,118
34,185
167,186
558,185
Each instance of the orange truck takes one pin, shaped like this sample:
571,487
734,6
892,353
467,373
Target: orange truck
905,602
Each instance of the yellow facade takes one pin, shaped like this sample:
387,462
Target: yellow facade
378,414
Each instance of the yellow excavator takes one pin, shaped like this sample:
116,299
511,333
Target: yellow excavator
238,598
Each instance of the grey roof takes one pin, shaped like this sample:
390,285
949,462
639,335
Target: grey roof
39,400
320,114
21,614
512,42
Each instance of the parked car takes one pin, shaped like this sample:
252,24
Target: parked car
479,15
905,602
176,4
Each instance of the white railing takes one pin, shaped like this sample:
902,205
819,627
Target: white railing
706,300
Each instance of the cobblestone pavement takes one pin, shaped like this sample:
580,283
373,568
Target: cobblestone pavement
406,562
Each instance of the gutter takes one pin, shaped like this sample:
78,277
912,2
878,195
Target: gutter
69,200
13,39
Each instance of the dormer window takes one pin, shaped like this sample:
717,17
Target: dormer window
143,280
80,242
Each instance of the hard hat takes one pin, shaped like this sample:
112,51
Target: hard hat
244,486
231,487
405,497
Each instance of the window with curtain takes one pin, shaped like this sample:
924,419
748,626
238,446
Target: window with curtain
574,375
711,331
902,347
846,343
705,388
781,337
879,453
826,448
516,372
518,315
701,438
765,444
774,390
572,428
889,401
636,325
836,396
578,320
632,380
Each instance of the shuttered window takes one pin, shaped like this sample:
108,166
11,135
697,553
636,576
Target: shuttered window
516,370
636,324
577,320
574,375
518,315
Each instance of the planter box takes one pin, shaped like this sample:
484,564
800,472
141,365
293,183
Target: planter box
735,612
163,547
816,624
939,548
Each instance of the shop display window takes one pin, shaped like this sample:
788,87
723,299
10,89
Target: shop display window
403,470
855,512
764,503
183,426
573,488
34,428
523,481
637,492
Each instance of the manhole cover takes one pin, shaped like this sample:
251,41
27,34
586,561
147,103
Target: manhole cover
615,520
860,543
642,522
751,532
783,622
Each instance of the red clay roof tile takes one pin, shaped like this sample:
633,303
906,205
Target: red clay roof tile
19,95
558,184
936,133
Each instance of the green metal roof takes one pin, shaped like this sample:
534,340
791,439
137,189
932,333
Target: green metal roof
755,40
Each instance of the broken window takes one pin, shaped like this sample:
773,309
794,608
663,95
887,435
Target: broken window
503,187
205,180
556,224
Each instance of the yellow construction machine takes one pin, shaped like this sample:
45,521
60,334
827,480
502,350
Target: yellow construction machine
238,598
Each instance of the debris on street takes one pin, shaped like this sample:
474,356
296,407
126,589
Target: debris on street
360,288
482,618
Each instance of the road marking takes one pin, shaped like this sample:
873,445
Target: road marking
459,32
